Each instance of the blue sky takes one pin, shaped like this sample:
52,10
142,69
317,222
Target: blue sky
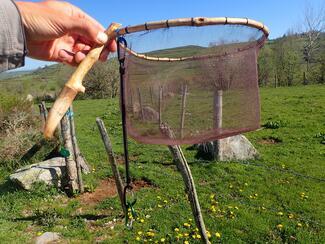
278,15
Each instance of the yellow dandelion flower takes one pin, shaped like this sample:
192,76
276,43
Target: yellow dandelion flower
138,238
218,235
176,229
290,216
159,197
246,184
186,234
194,236
187,225
39,233
165,201
198,236
255,195
186,242
280,213
139,233
212,196
190,220
196,229
141,220
299,225
230,186
162,240
241,190
159,206
236,208
208,234
151,234
279,226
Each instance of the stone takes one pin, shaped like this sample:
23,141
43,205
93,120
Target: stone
51,172
228,149
48,237
236,148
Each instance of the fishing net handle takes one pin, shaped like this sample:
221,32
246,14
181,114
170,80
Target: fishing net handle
74,85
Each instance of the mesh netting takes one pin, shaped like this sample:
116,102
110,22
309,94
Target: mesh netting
200,82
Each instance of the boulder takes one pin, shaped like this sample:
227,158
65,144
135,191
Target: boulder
228,149
236,148
48,237
51,172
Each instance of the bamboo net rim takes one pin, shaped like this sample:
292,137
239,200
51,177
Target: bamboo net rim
195,21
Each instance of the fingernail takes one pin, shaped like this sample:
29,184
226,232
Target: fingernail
102,37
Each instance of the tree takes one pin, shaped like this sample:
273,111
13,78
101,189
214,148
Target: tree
314,25
265,66
103,80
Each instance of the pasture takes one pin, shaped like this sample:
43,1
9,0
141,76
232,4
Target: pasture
277,198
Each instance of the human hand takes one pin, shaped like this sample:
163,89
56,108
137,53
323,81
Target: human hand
58,31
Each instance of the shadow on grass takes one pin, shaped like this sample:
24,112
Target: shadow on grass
9,187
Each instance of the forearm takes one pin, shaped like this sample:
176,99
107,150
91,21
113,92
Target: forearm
12,37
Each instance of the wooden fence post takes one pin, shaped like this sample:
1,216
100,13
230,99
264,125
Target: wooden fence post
77,155
140,104
69,159
217,119
184,93
111,158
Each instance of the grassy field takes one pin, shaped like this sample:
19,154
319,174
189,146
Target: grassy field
277,198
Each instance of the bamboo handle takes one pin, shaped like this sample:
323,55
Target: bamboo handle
74,85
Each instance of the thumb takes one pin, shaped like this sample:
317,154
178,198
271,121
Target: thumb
88,30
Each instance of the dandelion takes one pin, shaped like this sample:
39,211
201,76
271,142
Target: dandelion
162,240
139,233
246,184
39,233
159,197
186,234
280,213
187,225
212,196
159,206
208,234
138,238
230,186
186,242
198,236
194,236
236,208
299,225
190,220
176,230
150,234
165,201
290,216
218,235
240,190
255,195
279,226
283,166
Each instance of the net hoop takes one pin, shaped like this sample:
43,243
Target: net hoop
196,21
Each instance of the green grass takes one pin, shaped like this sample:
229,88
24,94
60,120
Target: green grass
252,199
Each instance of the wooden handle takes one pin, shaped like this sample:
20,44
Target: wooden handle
74,85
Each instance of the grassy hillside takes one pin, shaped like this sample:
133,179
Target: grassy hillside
278,198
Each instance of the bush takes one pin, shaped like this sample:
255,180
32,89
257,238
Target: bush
18,124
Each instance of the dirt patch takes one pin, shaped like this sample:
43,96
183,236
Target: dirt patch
107,189
270,140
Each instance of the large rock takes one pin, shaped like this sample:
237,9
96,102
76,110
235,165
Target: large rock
48,237
227,149
51,172
236,148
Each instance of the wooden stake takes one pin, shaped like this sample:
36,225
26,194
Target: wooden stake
217,119
185,171
70,162
140,103
111,158
184,93
76,151
160,104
